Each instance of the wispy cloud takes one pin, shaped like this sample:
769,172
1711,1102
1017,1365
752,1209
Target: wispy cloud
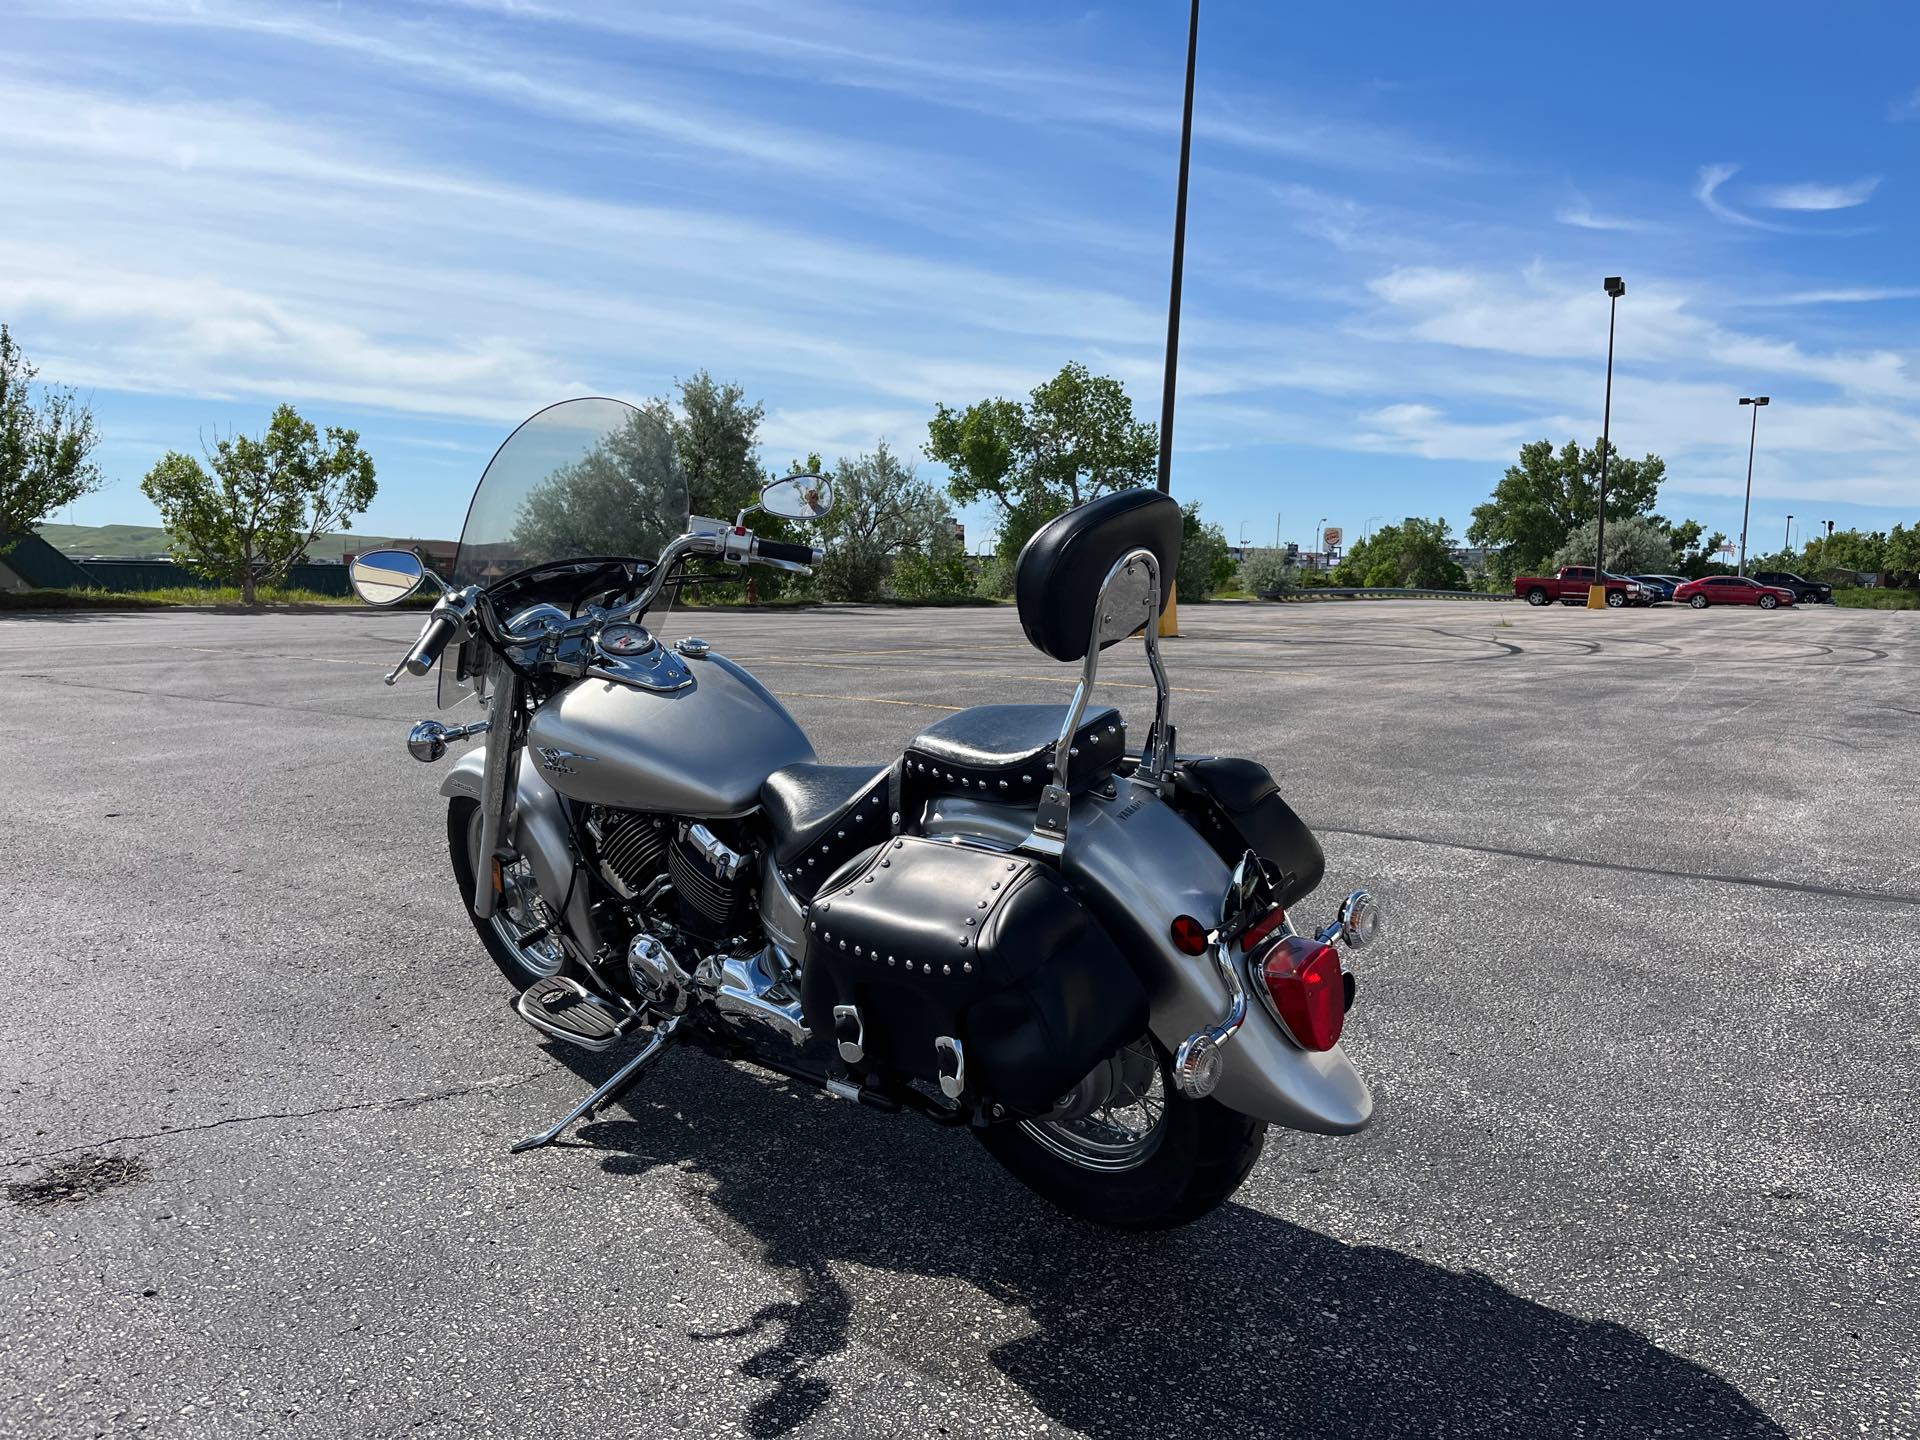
1860,296
1813,195
1907,109
1706,189
1581,217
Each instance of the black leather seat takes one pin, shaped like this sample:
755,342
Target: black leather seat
807,804
1005,752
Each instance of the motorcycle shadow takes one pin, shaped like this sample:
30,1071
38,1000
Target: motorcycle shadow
1238,1324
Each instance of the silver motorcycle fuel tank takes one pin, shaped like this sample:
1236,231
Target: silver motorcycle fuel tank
702,750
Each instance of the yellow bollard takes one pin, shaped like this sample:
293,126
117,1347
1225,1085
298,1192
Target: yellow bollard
1170,617
1596,597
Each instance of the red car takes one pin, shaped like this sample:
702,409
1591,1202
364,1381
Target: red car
1731,590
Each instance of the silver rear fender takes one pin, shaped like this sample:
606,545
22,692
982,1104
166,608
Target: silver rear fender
1137,865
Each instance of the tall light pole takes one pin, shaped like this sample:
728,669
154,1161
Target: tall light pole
1316,535
1170,617
1789,540
1597,592
1368,533
1746,510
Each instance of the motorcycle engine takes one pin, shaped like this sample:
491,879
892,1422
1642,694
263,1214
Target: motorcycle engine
707,863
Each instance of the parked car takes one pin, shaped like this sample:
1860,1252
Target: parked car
1805,592
1570,587
1662,586
1732,590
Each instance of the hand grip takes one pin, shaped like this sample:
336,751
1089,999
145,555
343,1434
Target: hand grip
790,554
440,629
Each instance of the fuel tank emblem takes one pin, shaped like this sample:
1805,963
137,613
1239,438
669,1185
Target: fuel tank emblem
560,761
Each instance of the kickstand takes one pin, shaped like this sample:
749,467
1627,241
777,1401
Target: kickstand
621,1081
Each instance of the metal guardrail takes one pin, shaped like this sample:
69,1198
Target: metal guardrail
1380,592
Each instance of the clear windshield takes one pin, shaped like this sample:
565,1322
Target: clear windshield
581,479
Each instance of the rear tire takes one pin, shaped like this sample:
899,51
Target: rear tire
1536,596
1200,1154
1698,602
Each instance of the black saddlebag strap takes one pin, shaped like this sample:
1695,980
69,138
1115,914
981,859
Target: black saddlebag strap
929,939
1237,806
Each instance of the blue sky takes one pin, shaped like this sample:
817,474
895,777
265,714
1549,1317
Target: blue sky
426,220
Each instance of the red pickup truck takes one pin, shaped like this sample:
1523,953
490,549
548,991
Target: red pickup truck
1570,587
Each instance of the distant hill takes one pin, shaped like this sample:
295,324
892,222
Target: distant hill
150,541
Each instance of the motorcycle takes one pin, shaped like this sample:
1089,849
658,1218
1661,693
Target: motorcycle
1080,952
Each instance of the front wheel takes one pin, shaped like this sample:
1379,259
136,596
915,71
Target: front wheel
1698,602
1147,1159
1769,602
1615,599
520,935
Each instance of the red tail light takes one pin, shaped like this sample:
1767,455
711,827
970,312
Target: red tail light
1262,928
1308,993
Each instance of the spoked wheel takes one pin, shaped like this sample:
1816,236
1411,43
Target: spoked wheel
1769,602
1144,1158
1536,596
1615,599
1698,602
521,935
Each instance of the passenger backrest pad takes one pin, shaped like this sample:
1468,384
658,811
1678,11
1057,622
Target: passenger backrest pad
1061,569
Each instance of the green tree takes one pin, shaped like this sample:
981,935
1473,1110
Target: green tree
1416,553
1693,548
881,510
1075,438
1548,492
1206,562
717,435
1268,572
45,449
248,516
1860,550
1634,547
936,572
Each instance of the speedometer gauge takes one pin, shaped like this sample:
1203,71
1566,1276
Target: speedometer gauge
623,641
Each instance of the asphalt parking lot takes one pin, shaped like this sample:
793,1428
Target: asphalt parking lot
1643,1040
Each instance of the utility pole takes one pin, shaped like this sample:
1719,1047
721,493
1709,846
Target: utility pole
1170,617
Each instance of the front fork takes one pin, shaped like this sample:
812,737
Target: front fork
505,692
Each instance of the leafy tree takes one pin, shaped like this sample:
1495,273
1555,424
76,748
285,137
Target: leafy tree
937,572
1634,547
1693,549
1548,492
1268,572
717,435
1075,438
45,450
626,496
251,519
1861,550
1206,562
881,509
1415,553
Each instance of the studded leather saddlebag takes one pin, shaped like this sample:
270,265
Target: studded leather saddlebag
926,942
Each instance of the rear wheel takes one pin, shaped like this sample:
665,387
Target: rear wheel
520,935
1536,596
1698,602
1147,1159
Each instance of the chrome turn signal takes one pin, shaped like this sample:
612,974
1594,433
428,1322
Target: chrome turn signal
1361,919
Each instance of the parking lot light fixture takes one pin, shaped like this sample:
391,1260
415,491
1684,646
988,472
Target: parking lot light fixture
1746,510
1787,544
1597,593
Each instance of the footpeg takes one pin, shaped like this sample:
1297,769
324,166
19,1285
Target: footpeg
567,1010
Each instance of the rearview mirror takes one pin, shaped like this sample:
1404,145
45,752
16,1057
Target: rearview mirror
386,577
798,497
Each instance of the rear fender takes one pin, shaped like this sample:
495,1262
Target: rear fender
1137,864
538,831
